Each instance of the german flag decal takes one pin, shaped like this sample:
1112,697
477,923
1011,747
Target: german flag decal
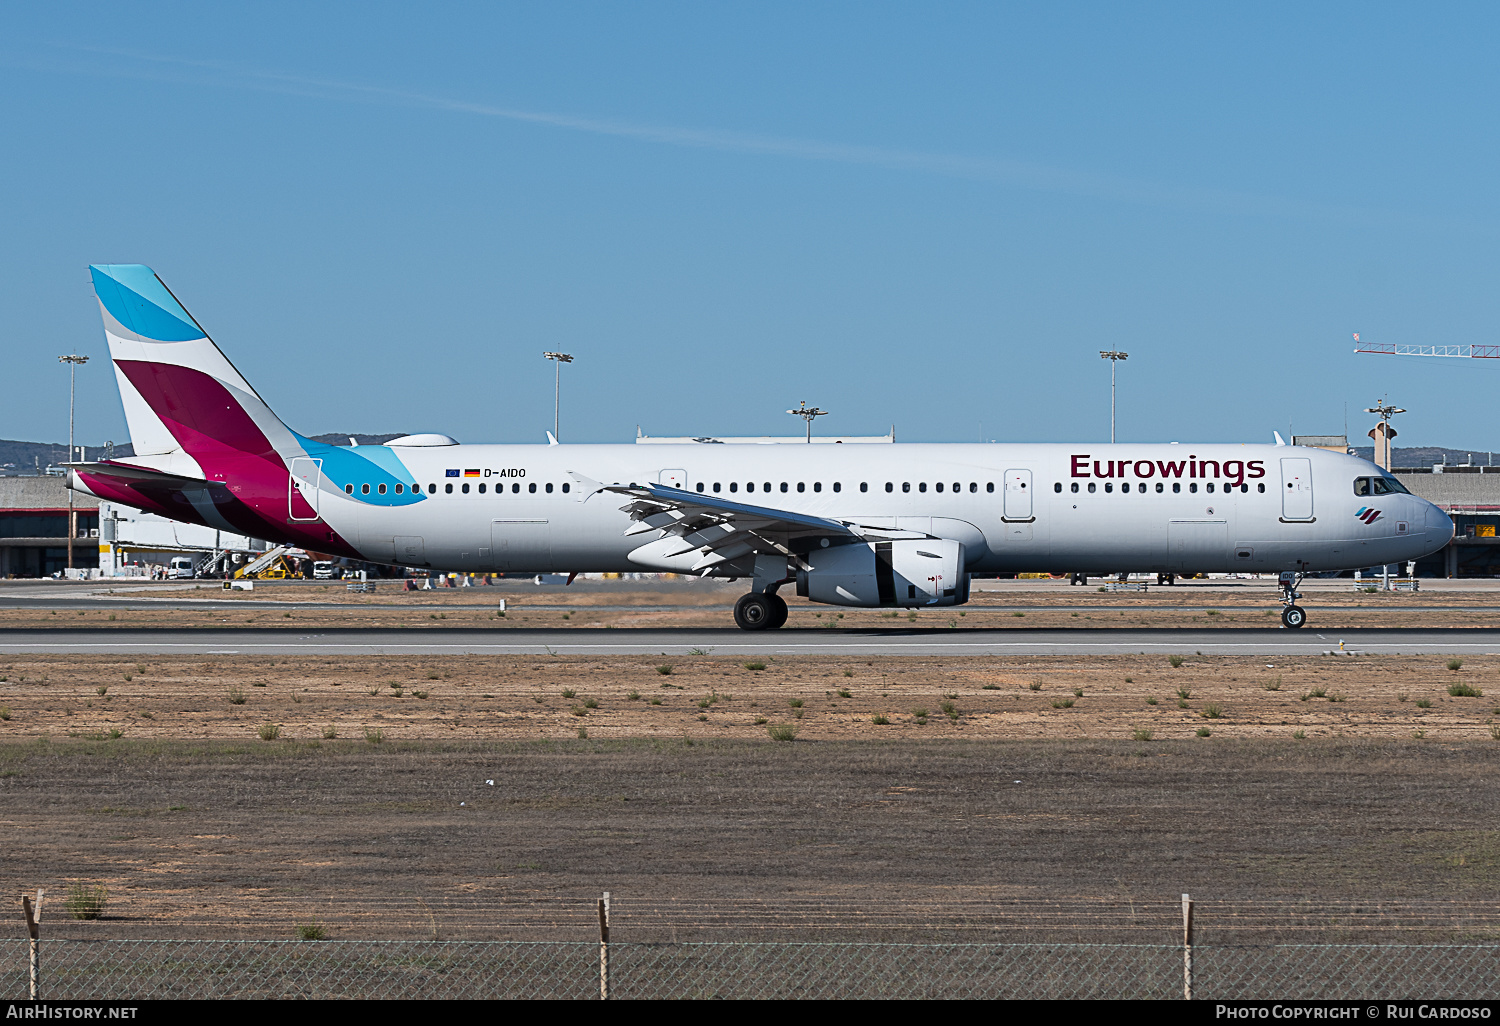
471,473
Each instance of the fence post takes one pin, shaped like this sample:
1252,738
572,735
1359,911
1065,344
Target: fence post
1187,948
604,947
34,931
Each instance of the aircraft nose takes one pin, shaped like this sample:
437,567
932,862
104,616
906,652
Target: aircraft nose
1439,526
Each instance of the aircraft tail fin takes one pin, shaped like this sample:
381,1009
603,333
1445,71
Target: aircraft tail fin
186,405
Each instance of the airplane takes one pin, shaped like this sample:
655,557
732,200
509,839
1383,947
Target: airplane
899,525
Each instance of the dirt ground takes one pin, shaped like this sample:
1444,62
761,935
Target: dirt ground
451,698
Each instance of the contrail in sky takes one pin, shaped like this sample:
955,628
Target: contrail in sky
1014,173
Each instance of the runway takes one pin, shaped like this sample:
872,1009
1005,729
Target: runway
690,641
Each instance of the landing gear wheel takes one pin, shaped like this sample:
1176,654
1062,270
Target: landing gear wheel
755,612
1293,617
778,604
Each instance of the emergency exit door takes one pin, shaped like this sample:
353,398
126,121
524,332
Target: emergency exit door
1018,496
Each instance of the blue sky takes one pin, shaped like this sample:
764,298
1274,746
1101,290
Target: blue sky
928,214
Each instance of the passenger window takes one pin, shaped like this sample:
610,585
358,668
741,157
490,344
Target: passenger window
922,487
1160,488
957,487
749,486
1244,488
481,488
1109,486
1057,487
974,486
1092,486
1361,486
989,486
938,486
837,487
532,487
734,486
817,486
364,489
1074,487
380,489
466,488
864,486
432,489
568,488
1193,487
1260,487
784,487
1209,487
889,487
906,486
1176,486
515,489
400,488
767,488
700,486
448,489
716,486
549,487
801,486
348,489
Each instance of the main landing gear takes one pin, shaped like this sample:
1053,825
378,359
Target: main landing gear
1293,616
760,611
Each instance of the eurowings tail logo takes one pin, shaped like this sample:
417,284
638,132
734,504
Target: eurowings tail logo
1368,515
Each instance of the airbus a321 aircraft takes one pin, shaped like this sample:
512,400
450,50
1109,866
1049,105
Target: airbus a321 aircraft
899,525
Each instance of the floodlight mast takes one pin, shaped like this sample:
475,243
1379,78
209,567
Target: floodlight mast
1382,433
807,413
1114,356
558,359
72,361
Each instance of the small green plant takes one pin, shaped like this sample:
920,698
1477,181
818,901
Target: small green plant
311,931
699,651
951,711
782,732
116,734
434,676
330,732
1401,696
578,710
1213,711
1335,697
583,733
1424,703
257,683
1319,692
1129,680
1204,732
375,737
1182,703
1273,685
760,721
397,693
1464,691
101,690
755,666
1062,703
1017,614
268,731
844,693
1184,694
665,669
128,677
880,719
1151,700
1419,734
989,687
912,616
1495,731
656,701
144,714
5,712
591,703
1035,685
1213,612
569,693
1078,692
1175,660
795,703
919,713
1300,735
634,696
1455,664
419,694
86,902
1141,734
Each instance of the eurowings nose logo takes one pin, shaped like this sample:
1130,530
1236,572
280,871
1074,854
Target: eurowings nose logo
1368,515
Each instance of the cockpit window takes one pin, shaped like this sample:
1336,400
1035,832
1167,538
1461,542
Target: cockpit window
1361,486
1387,486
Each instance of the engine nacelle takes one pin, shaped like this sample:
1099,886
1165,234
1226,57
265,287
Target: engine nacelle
910,572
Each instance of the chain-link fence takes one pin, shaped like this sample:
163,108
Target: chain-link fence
139,970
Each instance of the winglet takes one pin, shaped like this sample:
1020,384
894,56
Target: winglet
1279,439
551,440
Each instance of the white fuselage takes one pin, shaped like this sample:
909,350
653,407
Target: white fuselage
1014,508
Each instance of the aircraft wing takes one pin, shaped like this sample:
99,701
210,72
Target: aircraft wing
719,530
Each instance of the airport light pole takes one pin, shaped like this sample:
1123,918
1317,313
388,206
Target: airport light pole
72,361
1382,433
558,359
808,413
1114,356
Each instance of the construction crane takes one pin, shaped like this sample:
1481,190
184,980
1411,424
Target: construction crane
1392,349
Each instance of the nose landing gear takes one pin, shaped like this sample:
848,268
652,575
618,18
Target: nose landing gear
1293,616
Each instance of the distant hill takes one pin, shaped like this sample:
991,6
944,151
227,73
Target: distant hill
338,438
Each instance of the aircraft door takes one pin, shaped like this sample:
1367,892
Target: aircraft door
672,478
521,545
1296,489
302,488
1018,496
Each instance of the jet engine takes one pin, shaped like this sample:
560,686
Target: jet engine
909,572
